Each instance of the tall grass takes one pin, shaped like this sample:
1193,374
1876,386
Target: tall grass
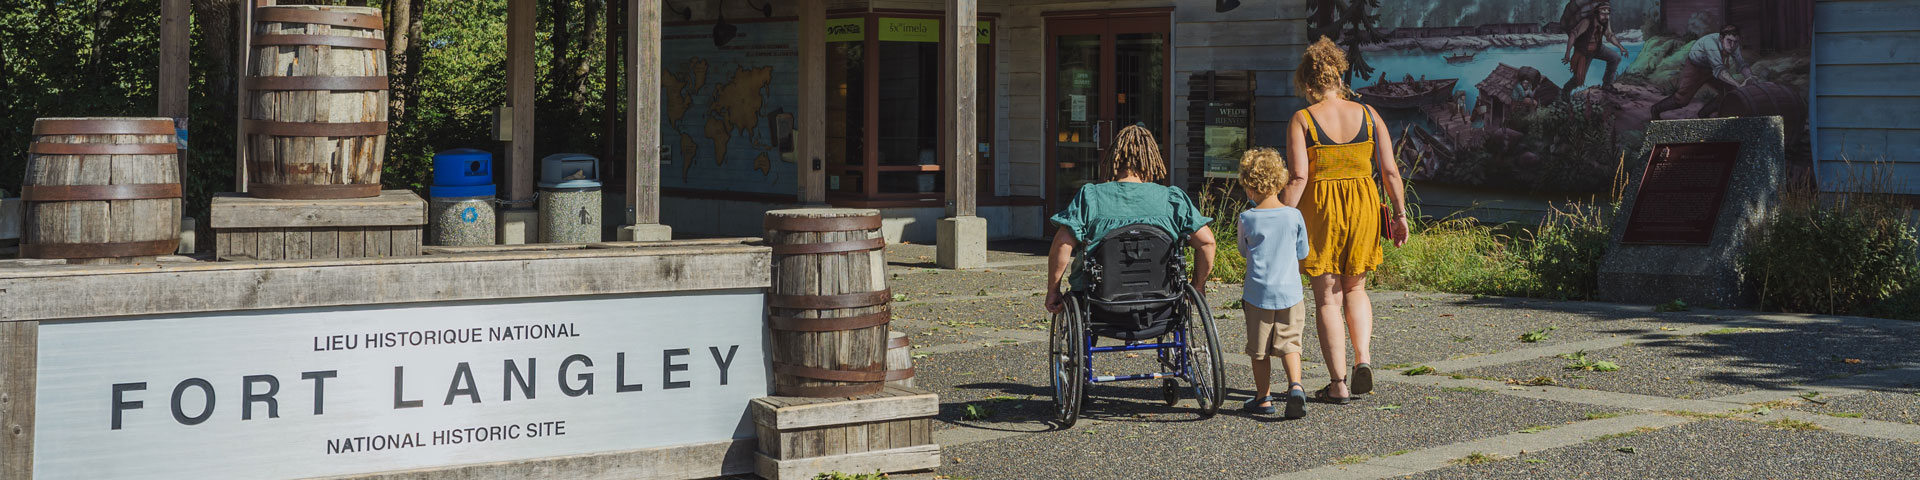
1220,198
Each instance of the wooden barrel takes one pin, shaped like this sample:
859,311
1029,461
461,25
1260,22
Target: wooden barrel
828,305
899,360
317,112
1761,99
101,190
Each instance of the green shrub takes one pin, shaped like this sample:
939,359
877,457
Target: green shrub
1837,256
1566,249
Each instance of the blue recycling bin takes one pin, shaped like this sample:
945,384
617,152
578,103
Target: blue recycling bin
462,167
461,200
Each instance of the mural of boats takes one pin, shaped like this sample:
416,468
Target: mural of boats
1408,94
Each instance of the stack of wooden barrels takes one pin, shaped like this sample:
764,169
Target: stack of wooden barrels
316,123
828,304
101,190
842,382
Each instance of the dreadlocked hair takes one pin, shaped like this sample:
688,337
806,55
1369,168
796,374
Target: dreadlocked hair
1136,152
1323,68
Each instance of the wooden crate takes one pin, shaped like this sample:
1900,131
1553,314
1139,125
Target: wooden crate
248,228
890,431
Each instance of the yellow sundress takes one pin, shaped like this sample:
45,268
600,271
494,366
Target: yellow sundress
1341,205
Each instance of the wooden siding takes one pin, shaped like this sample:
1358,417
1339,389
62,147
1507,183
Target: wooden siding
1866,105
1265,37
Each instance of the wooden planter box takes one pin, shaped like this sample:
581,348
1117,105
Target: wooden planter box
389,225
890,431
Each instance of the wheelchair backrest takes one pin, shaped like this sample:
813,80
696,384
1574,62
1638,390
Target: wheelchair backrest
1135,262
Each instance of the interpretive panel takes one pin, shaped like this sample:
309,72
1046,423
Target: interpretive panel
1680,194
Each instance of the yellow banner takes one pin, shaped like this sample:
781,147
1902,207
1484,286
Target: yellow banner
910,30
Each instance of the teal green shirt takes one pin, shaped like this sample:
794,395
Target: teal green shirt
1102,207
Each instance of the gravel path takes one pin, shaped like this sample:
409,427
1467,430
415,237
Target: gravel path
981,339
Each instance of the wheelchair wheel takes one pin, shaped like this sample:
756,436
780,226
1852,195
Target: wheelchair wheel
1205,367
1066,356
1169,391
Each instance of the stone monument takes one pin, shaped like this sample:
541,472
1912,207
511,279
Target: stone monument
1694,197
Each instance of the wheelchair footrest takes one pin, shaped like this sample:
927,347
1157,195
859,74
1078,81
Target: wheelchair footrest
1126,378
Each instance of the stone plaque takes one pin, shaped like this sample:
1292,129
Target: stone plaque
1696,192
1680,193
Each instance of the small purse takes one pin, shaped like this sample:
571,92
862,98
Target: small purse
1386,222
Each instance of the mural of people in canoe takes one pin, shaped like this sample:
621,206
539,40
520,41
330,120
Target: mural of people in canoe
1547,95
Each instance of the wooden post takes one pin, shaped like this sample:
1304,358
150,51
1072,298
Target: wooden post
958,138
643,112
174,42
520,89
19,361
810,149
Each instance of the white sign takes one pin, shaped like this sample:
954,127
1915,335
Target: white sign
1077,108
318,392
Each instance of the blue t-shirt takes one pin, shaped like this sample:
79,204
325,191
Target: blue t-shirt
1274,241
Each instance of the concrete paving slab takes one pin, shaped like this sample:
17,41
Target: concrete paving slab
1707,449
1726,361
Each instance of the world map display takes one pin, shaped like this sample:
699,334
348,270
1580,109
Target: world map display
720,102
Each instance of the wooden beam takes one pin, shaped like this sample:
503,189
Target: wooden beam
174,42
643,112
47,292
19,363
810,147
520,89
391,208
959,142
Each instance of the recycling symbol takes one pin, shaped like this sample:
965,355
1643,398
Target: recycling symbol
469,215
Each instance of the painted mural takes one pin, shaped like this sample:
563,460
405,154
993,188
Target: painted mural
1547,95
728,95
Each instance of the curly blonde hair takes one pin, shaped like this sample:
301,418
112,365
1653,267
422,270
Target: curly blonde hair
1263,172
1135,151
1323,68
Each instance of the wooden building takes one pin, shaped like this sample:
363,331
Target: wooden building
1866,105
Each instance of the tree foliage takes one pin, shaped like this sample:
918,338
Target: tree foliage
70,58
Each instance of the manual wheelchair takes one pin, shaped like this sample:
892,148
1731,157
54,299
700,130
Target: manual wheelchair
1139,295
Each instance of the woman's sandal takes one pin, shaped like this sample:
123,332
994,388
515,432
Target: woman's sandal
1362,379
1325,394
1253,405
1296,400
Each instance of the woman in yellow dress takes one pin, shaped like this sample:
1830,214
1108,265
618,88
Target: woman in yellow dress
1333,187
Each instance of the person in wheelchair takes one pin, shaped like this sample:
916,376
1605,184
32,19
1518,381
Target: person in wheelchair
1123,239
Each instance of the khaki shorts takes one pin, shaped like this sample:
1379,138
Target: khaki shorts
1274,332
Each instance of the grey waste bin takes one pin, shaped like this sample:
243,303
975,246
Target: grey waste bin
569,198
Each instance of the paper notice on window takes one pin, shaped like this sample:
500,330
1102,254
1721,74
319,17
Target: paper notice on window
1077,107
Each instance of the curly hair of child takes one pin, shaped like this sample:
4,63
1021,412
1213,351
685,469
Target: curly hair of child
1262,171
1136,152
1322,68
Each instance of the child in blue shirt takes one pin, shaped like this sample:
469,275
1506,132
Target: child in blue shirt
1273,239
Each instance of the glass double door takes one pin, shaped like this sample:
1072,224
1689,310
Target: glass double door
1105,73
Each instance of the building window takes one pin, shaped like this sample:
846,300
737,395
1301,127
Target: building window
885,71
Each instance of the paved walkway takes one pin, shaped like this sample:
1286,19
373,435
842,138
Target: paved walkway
1698,394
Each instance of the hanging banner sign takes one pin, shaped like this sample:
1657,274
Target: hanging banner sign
986,33
925,30
351,390
846,29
